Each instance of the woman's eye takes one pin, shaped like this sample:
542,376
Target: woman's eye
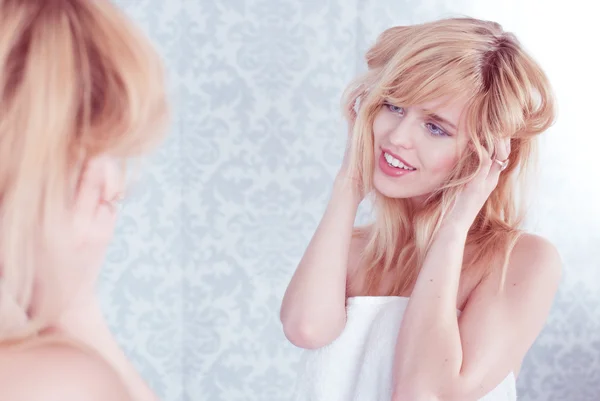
435,130
395,109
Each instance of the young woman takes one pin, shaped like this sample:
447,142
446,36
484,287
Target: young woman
443,294
81,92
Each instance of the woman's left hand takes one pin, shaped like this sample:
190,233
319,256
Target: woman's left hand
475,193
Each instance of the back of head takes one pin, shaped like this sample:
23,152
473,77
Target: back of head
77,80
507,96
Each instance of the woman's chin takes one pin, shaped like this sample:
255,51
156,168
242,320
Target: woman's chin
400,190
391,192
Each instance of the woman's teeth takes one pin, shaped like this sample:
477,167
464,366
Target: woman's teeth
392,161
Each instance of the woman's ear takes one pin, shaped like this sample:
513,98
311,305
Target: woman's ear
100,184
114,185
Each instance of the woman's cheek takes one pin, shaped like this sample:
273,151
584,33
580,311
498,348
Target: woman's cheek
441,162
380,126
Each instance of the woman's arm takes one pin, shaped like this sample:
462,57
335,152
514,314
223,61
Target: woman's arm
444,358
440,357
313,310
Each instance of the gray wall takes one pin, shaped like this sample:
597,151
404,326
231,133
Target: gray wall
213,229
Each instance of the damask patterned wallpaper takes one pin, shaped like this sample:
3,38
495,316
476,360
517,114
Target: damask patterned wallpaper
214,227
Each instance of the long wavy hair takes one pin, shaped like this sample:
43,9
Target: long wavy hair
77,80
508,96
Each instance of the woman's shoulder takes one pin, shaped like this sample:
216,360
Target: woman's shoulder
57,371
535,254
534,265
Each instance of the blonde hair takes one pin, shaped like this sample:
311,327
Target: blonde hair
508,96
78,81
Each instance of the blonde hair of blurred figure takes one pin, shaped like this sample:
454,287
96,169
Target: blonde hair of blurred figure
508,96
78,82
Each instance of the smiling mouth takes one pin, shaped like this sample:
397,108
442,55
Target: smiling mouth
396,163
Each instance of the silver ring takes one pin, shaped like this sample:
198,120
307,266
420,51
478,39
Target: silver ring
503,164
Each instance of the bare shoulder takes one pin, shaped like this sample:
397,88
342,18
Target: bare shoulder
533,273
534,257
58,371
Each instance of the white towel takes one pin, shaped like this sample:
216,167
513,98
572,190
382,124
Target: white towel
357,366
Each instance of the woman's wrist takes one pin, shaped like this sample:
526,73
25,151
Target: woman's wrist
347,188
453,229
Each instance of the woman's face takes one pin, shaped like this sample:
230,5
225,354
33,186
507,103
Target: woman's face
416,147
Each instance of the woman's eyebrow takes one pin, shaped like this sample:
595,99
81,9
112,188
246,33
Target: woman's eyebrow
438,118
